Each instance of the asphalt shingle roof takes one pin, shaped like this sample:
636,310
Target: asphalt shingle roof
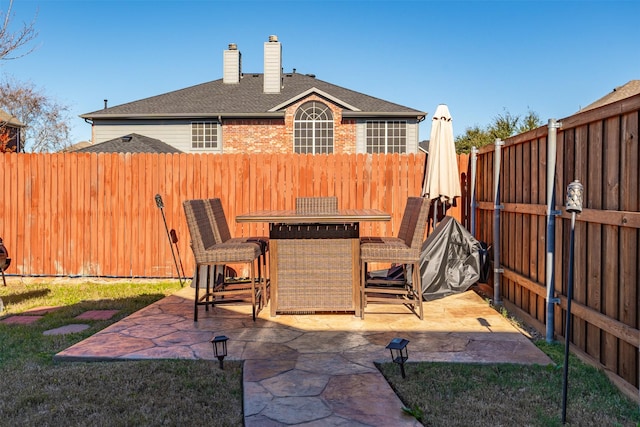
6,118
628,89
246,98
132,143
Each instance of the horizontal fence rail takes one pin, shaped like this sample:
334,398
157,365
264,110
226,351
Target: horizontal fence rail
599,148
87,214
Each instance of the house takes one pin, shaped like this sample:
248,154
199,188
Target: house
272,112
627,90
76,146
10,133
131,143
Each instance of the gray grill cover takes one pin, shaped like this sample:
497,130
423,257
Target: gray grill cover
449,261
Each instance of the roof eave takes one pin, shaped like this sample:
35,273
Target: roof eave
316,91
357,114
105,116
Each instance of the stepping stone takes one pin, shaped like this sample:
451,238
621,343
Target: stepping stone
20,320
97,315
67,329
38,311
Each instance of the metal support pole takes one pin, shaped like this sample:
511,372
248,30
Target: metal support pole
435,212
474,162
496,222
574,205
551,226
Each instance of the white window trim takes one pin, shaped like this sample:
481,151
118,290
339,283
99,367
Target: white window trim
386,134
218,136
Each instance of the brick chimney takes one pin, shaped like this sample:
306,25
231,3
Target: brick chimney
272,65
232,65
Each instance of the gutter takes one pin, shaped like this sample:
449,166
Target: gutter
278,114
181,116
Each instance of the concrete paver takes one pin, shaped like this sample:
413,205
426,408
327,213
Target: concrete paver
20,320
318,369
39,311
67,329
97,315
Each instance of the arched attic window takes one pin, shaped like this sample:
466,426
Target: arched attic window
313,129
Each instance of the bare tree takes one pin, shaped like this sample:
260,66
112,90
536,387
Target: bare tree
11,42
46,120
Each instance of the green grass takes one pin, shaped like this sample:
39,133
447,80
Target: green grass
454,394
35,390
26,343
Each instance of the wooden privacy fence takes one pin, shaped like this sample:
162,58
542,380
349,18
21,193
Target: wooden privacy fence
81,214
600,149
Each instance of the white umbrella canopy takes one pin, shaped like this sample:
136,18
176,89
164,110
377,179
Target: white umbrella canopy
442,179
441,182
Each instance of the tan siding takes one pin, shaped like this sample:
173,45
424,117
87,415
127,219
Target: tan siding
177,134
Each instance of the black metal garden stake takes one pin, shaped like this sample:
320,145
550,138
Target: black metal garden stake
160,205
574,205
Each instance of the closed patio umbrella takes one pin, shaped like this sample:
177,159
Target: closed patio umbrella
441,181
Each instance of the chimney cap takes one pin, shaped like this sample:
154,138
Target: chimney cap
233,46
273,38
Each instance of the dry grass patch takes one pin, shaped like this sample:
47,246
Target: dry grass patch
169,392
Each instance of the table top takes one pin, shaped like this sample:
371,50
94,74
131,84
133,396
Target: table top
341,216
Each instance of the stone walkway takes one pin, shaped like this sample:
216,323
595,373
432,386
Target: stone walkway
33,315
315,370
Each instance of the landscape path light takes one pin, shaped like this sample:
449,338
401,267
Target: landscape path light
220,348
399,352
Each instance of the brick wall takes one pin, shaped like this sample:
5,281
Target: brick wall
252,136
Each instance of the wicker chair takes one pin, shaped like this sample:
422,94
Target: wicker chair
403,250
316,205
208,252
223,235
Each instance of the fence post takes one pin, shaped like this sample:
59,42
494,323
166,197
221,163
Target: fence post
496,221
472,196
551,225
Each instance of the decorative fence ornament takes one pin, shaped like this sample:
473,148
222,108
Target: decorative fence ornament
575,193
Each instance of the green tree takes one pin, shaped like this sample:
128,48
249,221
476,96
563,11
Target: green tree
473,137
531,121
503,126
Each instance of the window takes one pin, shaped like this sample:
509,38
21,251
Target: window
386,137
204,135
313,129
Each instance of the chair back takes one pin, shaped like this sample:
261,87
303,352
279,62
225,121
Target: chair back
220,224
317,205
200,227
414,222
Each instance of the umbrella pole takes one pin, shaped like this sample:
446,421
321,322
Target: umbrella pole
435,213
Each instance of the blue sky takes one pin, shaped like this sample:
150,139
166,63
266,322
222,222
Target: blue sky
481,58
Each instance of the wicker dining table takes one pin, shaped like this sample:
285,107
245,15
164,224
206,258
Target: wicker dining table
314,259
